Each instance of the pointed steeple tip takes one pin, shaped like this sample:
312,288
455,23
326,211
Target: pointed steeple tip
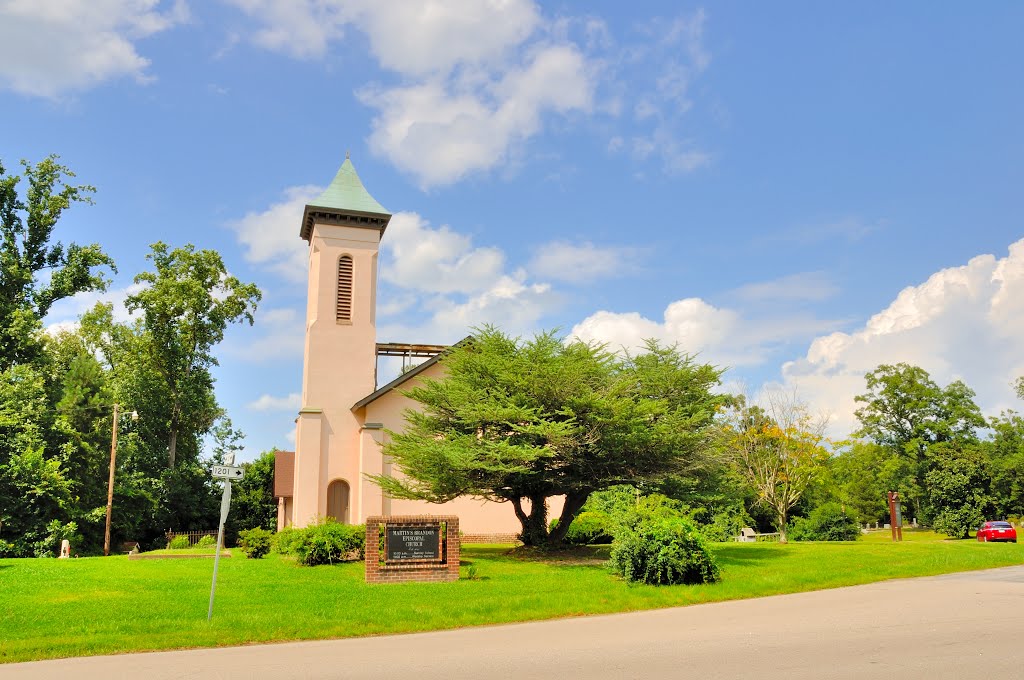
346,196
346,192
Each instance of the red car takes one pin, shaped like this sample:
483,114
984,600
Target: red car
997,531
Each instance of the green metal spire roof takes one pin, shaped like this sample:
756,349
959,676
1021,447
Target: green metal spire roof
347,192
345,201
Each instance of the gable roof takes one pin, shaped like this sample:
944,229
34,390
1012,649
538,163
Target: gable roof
408,375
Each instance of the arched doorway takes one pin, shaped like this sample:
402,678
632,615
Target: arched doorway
337,500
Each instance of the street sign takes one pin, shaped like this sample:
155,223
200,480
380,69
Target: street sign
225,505
228,472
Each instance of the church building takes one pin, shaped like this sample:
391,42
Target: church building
342,423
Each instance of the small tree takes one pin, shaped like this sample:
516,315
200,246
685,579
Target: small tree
778,451
520,422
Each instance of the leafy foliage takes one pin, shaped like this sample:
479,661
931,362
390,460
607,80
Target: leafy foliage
664,552
255,542
327,542
179,542
827,522
520,422
26,249
589,528
779,452
187,304
958,488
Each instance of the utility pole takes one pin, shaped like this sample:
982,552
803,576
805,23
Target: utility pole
110,483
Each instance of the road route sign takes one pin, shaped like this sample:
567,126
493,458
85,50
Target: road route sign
228,472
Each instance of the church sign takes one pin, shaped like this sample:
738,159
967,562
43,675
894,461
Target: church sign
412,548
405,542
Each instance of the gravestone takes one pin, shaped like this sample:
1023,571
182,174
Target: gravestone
65,549
412,548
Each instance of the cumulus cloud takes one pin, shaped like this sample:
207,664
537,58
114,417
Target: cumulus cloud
49,48
582,262
721,335
267,402
271,236
282,333
510,302
475,77
962,323
436,260
445,128
64,314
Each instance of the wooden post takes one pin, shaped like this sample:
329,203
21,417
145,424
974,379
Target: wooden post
897,534
110,483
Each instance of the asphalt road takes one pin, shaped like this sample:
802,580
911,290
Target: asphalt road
957,626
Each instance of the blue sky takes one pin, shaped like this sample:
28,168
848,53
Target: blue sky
798,191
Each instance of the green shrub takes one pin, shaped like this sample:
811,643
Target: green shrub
727,524
664,551
828,522
205,543
284,540
588,528
328,541
255,543
179,543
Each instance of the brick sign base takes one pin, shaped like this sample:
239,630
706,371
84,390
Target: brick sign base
441,564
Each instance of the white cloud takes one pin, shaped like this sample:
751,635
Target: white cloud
814,286
55,46
436,260
475,77
271,237
442,129
962,323
64,314
720,335
267,402
661,71
510,302
283,335
582,262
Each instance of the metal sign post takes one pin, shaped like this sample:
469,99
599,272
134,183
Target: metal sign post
227,473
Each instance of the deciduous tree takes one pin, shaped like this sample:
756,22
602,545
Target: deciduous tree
187,303
779,451
27,252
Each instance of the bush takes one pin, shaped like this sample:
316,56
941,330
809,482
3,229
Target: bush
205,543
664,552
727,524
284,541
828,522
255,543
328,541
179,543
588,528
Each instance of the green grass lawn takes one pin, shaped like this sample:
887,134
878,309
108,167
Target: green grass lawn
56,608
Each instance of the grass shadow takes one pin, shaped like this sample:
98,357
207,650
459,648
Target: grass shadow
746,554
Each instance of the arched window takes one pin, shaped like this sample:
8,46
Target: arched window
344,307
337,500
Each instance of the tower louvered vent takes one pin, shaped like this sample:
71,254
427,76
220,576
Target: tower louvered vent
344,310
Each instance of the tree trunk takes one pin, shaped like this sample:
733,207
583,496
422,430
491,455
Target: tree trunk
535,525
172,440
782,526
573,503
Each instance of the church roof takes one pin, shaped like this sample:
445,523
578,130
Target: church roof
408,375
346,199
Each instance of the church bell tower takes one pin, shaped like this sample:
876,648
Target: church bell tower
343,226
